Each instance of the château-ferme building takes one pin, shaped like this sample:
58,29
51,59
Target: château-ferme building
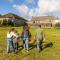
45,21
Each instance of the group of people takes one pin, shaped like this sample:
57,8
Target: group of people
13,38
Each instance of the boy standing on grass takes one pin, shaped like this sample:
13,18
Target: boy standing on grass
39,37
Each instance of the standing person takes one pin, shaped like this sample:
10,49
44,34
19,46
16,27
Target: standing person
12,34
39,37
26,35
9,40
15,40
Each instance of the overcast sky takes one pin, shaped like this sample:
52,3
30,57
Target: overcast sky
29,8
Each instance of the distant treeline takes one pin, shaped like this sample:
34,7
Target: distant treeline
11,23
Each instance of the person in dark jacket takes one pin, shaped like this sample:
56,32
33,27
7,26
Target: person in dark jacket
26,35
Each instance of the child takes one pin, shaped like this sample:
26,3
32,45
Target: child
9,39
26,37
39,37
12,34
15,40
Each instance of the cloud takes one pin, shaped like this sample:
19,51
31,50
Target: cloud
47,6
23,10
44,7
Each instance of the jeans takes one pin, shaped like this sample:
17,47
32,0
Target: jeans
9,41
39,44
26,43
15,46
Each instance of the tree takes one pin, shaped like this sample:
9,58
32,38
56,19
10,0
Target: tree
4,22
57,25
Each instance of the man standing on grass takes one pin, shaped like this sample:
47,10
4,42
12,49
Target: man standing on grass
39,37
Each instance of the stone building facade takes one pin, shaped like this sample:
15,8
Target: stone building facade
44,21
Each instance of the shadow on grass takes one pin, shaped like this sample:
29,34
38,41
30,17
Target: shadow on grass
20,47
32,46
50,44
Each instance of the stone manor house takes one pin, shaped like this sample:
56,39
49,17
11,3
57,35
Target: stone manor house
44,21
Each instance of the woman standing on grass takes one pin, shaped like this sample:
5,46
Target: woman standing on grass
26,35
9,40
10,35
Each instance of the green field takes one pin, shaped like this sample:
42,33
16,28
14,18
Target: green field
51,46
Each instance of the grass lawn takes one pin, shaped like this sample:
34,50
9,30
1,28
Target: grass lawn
51,46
